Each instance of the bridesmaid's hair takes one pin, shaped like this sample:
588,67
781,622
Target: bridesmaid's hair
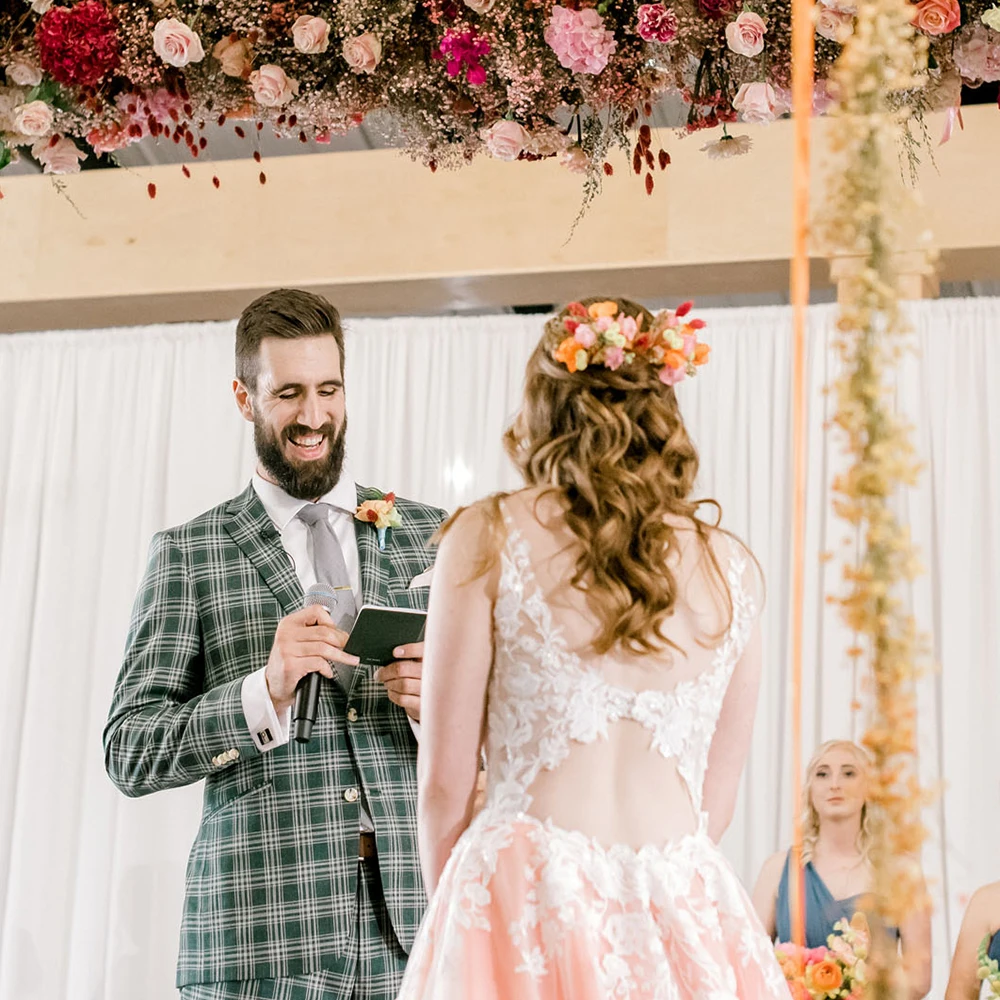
612,447
810,818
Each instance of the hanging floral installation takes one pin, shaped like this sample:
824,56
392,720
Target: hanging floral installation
456,78
884,61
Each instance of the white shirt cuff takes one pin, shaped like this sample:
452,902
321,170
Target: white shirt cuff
415,726
267,730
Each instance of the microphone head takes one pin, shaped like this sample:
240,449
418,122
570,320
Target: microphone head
320,593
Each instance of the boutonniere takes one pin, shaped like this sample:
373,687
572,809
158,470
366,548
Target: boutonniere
382,514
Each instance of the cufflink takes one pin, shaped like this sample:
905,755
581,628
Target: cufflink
264,737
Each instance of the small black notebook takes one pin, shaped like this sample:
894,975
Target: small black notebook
378,631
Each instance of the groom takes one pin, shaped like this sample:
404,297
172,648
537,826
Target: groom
304,880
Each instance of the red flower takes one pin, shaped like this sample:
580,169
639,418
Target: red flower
577,309
78,45
657,23
683,309
371,515
389,498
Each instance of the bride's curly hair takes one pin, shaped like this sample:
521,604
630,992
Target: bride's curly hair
612,446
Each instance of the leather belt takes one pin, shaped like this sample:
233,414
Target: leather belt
366,846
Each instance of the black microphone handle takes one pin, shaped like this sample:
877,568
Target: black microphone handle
306,702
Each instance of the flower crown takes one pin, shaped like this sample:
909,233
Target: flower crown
605,335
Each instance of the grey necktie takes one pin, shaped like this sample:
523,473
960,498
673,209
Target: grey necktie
331,569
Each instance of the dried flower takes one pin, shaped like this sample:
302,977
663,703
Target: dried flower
234,55
728,145
23,71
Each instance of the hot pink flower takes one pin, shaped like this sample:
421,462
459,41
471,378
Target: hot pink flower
657,23
461,50
580,40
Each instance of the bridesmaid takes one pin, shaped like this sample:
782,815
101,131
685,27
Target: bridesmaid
836,835
982,919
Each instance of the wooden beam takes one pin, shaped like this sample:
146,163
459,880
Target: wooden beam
383,235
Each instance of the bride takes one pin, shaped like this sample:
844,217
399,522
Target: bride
601,642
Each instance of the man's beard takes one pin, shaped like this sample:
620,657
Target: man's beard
306,480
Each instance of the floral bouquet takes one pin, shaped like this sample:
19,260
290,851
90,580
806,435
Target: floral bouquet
836,972
989,971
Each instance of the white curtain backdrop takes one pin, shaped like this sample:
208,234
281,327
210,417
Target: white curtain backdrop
109,436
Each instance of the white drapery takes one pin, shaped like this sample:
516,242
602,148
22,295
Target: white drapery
109,436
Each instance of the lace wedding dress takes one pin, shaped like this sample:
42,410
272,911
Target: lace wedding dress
529,909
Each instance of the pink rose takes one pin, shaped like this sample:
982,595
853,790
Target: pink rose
584,336
937,17
234,56
745,35
657,23
363,53
33,119
575,160
61,157
271,87
756,103
836,25
23,72
580,40
505,140
311,35
175,43
480,6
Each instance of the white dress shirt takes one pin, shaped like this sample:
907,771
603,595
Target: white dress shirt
266,728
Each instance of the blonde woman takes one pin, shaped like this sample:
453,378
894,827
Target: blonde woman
981,920
836,835
603,641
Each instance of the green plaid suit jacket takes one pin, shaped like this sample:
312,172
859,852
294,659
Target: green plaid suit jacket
272,876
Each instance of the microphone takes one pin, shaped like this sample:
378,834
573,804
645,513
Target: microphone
307,690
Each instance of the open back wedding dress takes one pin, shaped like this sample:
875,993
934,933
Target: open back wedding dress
589,873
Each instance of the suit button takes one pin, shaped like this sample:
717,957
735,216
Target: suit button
352,714
351,795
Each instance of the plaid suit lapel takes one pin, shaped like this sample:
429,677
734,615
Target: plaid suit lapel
250,527
374,562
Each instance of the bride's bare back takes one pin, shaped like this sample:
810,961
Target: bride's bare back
632,769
